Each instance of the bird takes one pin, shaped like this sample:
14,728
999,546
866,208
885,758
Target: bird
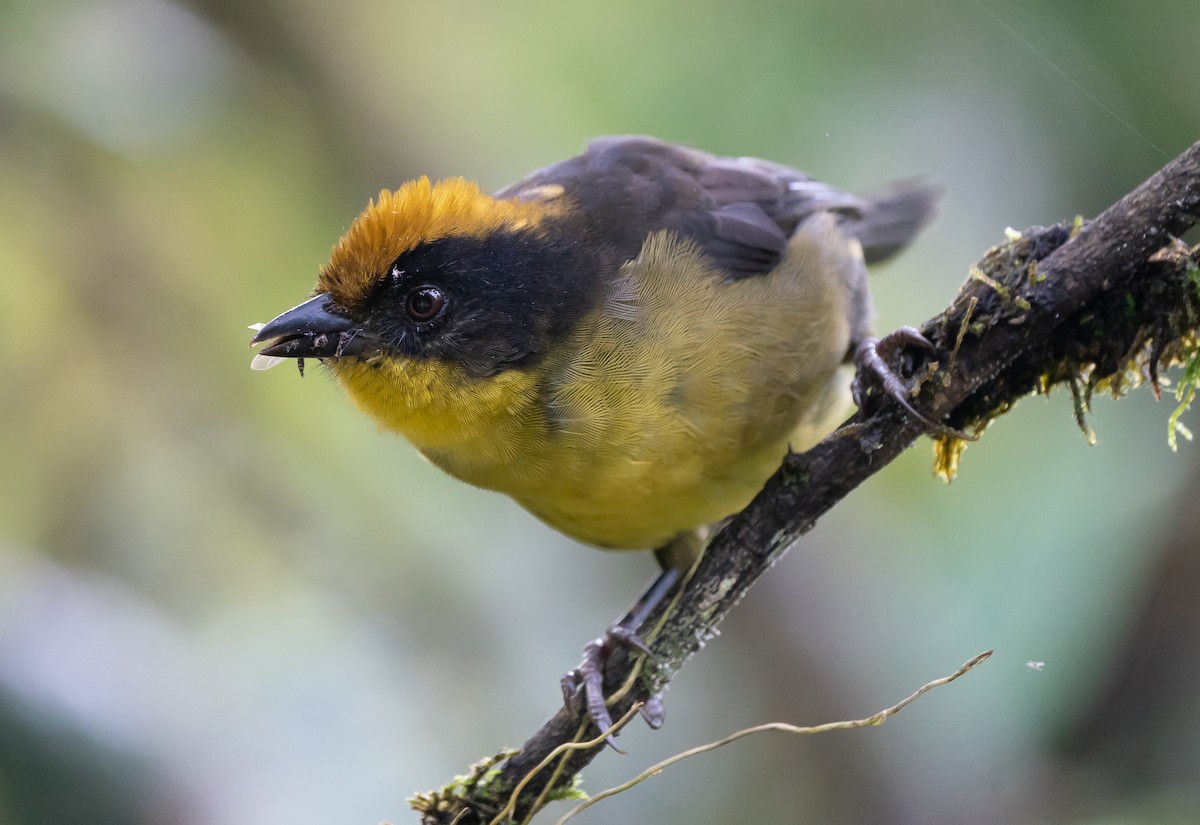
627,342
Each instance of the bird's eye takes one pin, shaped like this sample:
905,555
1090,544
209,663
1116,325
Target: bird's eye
424,304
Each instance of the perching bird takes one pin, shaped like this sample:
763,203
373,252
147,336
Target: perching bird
626,342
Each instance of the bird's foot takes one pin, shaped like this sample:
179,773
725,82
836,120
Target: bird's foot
873,360
583,687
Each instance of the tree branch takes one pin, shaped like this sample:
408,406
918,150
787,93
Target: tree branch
1086,305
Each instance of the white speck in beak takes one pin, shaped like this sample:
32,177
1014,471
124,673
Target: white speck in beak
265,362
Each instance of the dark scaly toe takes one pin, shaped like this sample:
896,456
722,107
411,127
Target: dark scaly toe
653,712
583,687
626,638
873,358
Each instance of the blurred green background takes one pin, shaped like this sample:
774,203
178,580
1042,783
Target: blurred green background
224,598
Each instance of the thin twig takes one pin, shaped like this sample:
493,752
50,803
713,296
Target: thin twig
870,721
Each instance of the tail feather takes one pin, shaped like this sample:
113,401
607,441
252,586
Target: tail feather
891,218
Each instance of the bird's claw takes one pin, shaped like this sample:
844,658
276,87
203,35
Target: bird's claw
583,687
653,712
624,637
873,359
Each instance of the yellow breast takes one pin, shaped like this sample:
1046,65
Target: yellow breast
667,409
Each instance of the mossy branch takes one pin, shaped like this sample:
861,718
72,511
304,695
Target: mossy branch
1101,304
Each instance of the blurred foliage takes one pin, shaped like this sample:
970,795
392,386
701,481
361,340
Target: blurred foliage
224,598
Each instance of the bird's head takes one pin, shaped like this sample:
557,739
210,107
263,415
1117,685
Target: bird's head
438,294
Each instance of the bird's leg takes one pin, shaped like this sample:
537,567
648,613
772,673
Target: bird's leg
583,687
873,359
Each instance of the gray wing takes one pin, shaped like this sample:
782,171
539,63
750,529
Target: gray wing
740,211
